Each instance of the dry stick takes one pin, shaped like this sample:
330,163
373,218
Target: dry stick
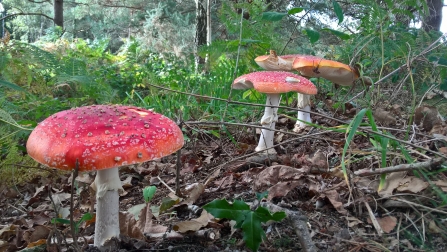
427,50
299,222
433,163
257,152
365,129
72,224
311,112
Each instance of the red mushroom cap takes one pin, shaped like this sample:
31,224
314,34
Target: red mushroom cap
313,66
102,137
272,82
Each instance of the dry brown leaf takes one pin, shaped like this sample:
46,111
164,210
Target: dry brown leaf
387,223
427,117
442,184
194,224
384,117
37,233
412,184
353,221
393,180
195,190
281,189
433,228
334,198
277,173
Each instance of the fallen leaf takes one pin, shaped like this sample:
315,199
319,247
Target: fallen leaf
353,221
387,223
412,184
334,198
392,181
442,184
384,117
427,117
194,224
433,228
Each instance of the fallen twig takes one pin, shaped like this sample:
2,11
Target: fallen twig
299,222
433,163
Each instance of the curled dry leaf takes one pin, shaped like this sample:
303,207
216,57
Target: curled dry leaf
334,198
387,223
194,224
412,184
392,181
384,117
442,184
427,117
279,180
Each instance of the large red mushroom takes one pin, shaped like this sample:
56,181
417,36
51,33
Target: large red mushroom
273,84
102,138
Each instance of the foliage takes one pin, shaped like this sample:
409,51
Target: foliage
249,220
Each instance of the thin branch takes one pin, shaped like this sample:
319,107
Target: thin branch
311,112
433,163
410,61
26,14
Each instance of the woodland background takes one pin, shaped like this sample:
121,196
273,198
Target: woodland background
177,57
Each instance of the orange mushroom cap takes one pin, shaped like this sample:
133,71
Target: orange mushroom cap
313,66
273,82
102,137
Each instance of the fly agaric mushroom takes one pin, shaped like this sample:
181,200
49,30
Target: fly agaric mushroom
312,66
309,66
102,138
273,84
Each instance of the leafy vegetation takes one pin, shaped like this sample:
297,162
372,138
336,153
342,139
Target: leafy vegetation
143,54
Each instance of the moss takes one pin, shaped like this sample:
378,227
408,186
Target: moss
15,167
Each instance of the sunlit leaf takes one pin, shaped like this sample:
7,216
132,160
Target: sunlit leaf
339,34
295,10
149,192
273,16
338,11
313,35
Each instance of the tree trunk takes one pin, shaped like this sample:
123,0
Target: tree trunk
201,30
433,20
59,13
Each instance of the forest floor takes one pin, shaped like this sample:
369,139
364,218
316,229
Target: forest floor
305,177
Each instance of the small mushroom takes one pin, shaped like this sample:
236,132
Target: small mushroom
98,139
308,66
312,66
273,84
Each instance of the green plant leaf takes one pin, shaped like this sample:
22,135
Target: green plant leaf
262,195
313,35
273,16
338,11
135,210
295,10
223,209
167,203
148,193
250,221
253,232
11,85
350,131
60,220
339,34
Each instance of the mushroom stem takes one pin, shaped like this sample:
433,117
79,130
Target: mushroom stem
303,103
107,185
269,120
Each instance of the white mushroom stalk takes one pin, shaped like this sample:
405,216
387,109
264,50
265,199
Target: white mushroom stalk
303,116
107,185
273,84
269,120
